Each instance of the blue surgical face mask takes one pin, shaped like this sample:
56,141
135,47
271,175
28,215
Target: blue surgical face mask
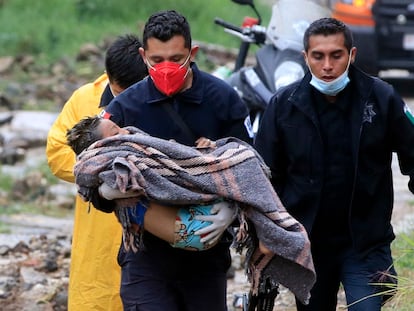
331,88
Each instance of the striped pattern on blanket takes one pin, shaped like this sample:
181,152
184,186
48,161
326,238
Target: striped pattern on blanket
171,173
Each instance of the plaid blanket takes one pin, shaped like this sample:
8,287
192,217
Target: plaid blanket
171,173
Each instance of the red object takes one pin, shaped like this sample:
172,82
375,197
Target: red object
169,77
249,21
356,15
105,115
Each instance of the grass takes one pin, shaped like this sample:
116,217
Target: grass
52,30
4,228
402,290
403,251
6,182
29,193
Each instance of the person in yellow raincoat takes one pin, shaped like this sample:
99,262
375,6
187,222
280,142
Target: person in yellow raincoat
94,278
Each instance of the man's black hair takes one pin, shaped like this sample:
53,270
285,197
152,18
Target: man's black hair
164,25
328,26
123,63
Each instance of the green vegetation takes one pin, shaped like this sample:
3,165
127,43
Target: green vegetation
46,173
29,193
4,228
403,251
51,30
400,287
6,182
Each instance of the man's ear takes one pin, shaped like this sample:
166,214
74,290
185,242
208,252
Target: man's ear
193,52
142,53
305,57
353,54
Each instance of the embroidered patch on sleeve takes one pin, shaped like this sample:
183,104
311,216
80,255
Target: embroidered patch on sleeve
408,113
104,115
248,125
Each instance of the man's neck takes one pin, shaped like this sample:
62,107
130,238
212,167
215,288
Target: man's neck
188,81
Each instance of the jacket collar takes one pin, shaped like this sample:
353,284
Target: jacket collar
106,97
362,88
363,83
301,96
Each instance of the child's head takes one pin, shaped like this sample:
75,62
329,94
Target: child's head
89,130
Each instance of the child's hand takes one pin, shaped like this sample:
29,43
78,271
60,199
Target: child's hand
203,142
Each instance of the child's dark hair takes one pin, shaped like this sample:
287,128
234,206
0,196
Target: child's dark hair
83,134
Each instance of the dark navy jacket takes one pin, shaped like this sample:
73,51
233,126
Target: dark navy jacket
290,142
210,108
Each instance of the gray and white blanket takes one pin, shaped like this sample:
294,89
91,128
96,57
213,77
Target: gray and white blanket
171,173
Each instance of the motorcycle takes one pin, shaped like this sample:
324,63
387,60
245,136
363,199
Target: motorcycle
279,59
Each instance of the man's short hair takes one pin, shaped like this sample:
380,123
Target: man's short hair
328,26
164,25
123,63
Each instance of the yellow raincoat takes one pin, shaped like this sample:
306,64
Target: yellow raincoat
94,278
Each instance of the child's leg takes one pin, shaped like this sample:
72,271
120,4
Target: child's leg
160,221
171,224
177,225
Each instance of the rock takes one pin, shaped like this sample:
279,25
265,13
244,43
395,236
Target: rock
32,277
87,50
11,155
32,121
35,277
4,249
6,102
21,247
26,61
6,63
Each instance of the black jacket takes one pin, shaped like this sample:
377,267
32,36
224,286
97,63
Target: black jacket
290,142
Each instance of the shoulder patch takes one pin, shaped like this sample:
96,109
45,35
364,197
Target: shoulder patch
104,115
408,113
248,126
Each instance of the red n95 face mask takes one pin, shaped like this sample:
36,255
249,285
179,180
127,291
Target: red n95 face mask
168,77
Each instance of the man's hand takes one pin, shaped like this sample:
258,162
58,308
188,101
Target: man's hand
222,215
